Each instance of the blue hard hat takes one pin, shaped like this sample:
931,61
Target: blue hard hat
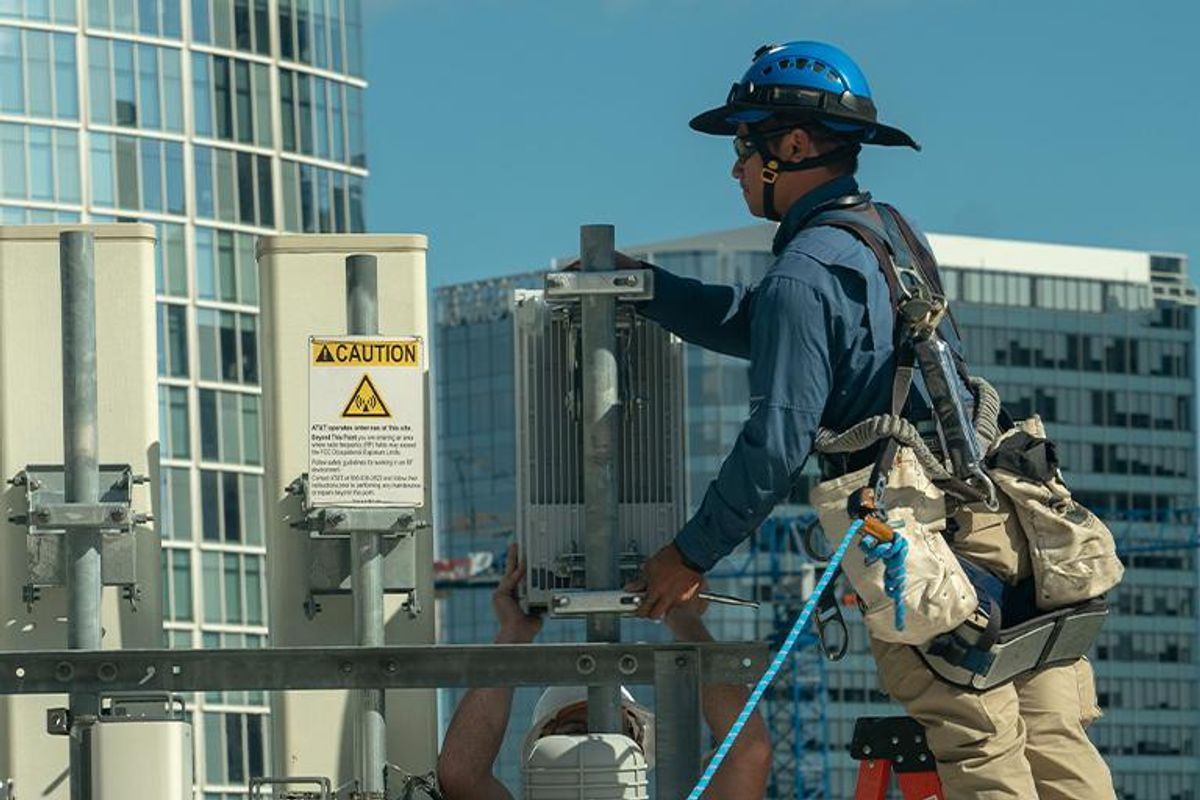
803,80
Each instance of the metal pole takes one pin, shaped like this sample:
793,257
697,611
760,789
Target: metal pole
81,477
366,554
601,429
677,722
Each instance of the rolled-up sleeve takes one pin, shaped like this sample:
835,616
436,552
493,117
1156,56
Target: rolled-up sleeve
790,380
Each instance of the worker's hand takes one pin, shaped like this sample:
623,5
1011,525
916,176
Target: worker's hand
667,582
685,620
621,261
516,627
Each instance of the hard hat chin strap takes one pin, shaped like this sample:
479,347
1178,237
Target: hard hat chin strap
772,166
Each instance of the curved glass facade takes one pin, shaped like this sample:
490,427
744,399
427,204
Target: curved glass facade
215,121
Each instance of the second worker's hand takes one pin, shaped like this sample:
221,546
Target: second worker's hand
667,582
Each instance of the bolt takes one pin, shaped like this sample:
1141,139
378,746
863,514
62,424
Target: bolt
895,740
107,672
922,758
586,665
391,667
346,667
554,280
64,671
747,663
140,479
681,661
899,759
625,280
117,514
18,519
334,517
41,515
562,601
142,519
627,664
866,749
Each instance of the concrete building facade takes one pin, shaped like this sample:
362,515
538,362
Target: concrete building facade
216,121
1099,342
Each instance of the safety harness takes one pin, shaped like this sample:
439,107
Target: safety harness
982,652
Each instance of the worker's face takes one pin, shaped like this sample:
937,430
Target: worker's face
788,144
747,171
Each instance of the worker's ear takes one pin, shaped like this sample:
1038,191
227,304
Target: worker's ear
797,145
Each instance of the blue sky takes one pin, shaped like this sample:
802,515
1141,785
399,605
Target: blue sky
497,127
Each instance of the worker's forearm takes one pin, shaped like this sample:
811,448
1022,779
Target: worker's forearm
474,737
748,763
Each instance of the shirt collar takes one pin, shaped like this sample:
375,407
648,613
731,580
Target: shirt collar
796,216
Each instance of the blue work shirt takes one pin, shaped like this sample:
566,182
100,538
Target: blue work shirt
817,330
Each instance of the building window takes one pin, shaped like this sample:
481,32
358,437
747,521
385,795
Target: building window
177,584
314,32
176,522
61,12
228,346
37,73
233,24
170,260
174,429
39,163
233,588
318,200
234,186
231,506
135,85
226,268
232,99
172,340
229,427
149,17
137,174
320,116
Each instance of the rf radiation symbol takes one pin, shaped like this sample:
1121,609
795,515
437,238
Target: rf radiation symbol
366,402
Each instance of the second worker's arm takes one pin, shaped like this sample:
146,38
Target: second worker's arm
747,767
476,732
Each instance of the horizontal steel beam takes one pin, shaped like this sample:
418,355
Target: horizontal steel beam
406,667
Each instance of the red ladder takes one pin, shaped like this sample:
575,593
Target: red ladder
884,745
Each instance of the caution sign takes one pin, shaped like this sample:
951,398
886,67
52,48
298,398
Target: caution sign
366,402
366,408
366,352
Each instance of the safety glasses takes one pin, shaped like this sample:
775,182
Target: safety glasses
748,145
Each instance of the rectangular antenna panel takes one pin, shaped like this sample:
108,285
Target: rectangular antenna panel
651,451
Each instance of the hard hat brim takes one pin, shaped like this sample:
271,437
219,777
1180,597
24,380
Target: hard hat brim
724,121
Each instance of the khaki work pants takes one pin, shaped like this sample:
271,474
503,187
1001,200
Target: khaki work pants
1020,741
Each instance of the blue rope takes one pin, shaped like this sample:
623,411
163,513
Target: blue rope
755,696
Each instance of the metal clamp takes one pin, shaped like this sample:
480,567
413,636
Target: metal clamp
50,520
625,284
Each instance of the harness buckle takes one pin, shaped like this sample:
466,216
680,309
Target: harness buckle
770,172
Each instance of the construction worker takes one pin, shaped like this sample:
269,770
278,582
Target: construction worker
818,332
476,732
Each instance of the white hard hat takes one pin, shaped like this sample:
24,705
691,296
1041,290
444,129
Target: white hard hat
558,698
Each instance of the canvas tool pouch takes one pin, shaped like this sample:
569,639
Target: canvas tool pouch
938,596
1073,553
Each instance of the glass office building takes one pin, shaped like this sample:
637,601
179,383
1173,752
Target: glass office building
1100,343
216,121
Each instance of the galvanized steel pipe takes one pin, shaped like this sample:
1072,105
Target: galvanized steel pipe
366,553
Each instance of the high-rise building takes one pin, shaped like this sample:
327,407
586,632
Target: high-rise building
217,121
1099,342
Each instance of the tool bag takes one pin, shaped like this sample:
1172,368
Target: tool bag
1017,491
